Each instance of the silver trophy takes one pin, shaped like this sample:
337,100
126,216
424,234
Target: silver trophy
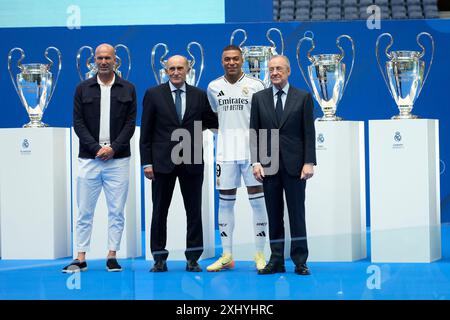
35,85
256,58
405,71
191,77
327,73
92,66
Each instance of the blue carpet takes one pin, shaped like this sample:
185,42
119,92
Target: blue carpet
42,279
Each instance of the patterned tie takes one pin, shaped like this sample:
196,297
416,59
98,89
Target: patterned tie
178,103
279,106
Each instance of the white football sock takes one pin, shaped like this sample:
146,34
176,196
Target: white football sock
226,221
259,219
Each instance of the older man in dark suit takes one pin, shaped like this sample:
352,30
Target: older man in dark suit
287,114
171,110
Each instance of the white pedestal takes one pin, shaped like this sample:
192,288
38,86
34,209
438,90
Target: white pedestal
130,245
404,190
335,195
35,197
176,220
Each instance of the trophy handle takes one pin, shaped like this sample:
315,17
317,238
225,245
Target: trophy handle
19,65
49,67
387,54
119,61
87,60
158,81
271,41
343,55
234,33
423,53
310,38
193,59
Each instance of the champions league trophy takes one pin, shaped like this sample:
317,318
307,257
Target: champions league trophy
35,85
92,67
191,77
256,58
405,71
326,75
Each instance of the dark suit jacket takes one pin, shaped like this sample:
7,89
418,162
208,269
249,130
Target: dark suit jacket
296,131
86,117
159,120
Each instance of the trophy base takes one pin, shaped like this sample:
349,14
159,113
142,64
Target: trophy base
332,118
404,117
32,124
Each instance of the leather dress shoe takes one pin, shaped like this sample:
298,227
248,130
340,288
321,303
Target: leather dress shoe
272,268
193,266
159,266
302,269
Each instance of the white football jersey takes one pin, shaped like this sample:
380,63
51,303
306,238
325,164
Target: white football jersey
232,102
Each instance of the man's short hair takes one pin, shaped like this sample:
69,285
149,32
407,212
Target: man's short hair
232,47
285,58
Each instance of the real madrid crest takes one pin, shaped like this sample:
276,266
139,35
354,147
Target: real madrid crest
320,138
25,146
245,91
398,144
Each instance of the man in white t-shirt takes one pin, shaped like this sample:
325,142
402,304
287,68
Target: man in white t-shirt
230,96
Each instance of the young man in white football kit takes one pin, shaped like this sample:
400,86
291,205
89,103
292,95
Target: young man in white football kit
230,96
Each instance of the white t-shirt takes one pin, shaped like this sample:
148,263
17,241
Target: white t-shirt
232,102
105,110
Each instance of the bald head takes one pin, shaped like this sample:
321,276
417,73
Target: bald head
177,68
105,59
105,47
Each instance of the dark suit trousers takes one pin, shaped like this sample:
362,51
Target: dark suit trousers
295,198
191,190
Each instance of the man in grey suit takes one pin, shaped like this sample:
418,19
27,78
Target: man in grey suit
287,115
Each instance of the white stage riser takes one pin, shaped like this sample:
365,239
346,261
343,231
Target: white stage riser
336,195
35,205
405,190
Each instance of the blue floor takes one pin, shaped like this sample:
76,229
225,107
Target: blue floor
42,279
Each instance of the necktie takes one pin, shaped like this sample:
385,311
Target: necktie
178,103
279,106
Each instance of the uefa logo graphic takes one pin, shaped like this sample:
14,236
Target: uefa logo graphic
397,137
25,144
320,138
